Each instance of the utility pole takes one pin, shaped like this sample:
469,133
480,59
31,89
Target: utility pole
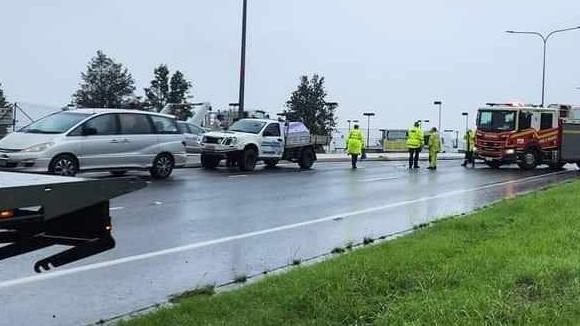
243,60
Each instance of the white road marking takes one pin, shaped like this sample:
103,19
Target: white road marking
116,208
188,247
238,176
378,179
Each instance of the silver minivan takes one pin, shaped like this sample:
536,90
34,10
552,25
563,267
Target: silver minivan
68,142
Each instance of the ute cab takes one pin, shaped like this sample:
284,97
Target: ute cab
523,134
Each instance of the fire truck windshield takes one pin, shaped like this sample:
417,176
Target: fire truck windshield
496,120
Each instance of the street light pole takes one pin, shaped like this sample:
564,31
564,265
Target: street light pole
349,121
545,41
439,103
368,115
243,59
383,137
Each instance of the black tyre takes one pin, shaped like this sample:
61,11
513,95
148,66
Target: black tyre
271,163
529,160
118,173
209,162
493,164
65,165
307,159
162,166
248,159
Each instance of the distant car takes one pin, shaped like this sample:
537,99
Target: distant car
193,136
68,142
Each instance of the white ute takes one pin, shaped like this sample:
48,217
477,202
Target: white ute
248,141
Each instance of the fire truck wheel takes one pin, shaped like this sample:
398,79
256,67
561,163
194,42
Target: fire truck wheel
529,160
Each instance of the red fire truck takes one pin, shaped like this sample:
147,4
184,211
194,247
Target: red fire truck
528,135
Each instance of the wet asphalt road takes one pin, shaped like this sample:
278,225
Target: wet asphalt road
209,227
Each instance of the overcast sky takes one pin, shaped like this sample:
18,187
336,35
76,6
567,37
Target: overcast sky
390,57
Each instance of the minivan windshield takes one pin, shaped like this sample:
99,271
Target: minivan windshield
247,126
496,120
56,123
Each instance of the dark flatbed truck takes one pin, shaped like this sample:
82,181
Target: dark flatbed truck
38,211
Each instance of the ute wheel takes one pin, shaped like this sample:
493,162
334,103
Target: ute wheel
529,160
64,165
271,163
493,164
209,162
307,159
248,159
162,166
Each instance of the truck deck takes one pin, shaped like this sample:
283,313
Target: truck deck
38,211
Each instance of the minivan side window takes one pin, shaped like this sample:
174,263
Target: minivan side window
183,128
273,130
164,125
135,124
105,124
546,121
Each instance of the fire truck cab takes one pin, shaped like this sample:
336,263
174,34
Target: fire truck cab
528,135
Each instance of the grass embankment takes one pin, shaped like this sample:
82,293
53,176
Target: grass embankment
517,262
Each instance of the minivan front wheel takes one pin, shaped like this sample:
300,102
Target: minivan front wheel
162,166
64,165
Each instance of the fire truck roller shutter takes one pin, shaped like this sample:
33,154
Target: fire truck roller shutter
571,142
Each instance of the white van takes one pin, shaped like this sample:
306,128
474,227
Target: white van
68,142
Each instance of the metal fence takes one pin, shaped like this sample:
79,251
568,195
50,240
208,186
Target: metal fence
452,141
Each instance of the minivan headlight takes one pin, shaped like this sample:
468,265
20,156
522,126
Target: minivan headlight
38,148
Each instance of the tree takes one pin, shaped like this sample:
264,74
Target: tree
3,102
158,93
165,90
307,104
105,84
179,88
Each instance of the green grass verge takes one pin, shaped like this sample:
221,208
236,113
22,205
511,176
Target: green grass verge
517,262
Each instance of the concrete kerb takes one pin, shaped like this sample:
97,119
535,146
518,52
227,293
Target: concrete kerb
391,158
